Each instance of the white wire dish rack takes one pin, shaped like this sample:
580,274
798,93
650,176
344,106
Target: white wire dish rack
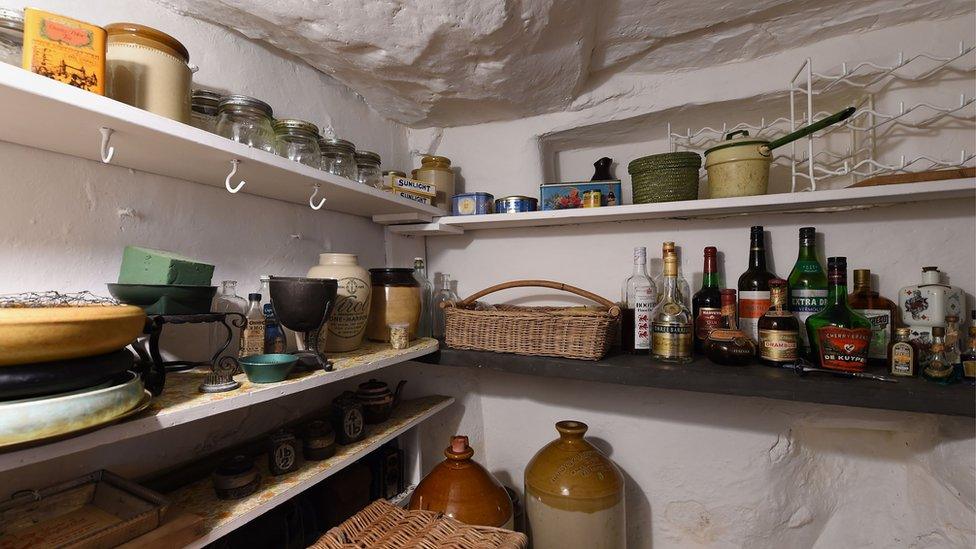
856,148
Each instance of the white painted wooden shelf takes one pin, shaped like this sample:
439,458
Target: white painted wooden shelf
182,402
814,201
222,517
45,114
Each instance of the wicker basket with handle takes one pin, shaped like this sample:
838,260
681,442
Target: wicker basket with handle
573,332
384,526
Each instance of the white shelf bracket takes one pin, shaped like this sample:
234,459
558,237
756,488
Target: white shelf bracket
311,199
233,171
107,151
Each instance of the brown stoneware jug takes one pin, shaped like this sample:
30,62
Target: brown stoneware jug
462,489
574,495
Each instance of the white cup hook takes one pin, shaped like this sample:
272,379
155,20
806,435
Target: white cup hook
312,198
233,171
107,151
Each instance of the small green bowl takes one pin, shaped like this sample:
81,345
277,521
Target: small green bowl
270,368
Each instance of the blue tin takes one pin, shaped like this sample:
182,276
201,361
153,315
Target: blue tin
564,196
471,203
515,204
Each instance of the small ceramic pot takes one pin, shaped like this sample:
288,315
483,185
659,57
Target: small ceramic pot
318,441
377,400
236,478
270,368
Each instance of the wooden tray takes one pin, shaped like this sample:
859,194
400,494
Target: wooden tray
97,511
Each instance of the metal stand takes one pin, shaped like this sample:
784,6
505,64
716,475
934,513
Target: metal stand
222,369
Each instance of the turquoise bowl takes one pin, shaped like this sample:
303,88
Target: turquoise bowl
270,368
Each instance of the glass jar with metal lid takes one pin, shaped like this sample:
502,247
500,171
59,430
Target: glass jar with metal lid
339,157
148,69
203,109
368,169
298,140
246,120
11,36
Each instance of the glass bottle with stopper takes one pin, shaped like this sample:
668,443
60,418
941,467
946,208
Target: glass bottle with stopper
637,300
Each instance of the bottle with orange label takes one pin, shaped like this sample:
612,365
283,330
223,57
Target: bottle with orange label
839,336
65,49
754,285
779,330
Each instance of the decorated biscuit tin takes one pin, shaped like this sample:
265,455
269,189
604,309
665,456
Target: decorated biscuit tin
562,196
515,204
471,203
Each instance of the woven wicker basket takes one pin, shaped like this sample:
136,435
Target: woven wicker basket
571,332
665,177
384,526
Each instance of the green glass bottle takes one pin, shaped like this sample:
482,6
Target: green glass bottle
807,284
839,336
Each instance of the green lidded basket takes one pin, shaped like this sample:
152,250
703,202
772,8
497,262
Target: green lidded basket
665,177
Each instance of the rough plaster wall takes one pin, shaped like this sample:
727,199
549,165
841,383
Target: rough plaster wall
713,471
64,221
434,63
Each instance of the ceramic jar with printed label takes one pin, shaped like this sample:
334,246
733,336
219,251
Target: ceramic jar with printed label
345,330
926,305
574,495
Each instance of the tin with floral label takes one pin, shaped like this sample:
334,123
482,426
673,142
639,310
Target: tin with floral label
471,203
516,204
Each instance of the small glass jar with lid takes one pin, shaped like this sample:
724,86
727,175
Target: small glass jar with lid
368,169
203,110
246,120
339,157
298,140
11,36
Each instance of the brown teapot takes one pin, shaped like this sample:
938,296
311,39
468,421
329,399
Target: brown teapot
377,400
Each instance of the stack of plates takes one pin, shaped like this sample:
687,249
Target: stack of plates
64,370
665,177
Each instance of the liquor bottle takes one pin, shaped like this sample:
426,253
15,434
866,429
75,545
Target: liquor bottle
671,339
684,290
274,334
252,338
969,355
637,299
706,305
839,336
754,285
424,327
779,331
952,341
903,354
938,368
728,345
808,283
881,312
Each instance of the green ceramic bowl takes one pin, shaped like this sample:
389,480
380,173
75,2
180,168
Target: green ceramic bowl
270,368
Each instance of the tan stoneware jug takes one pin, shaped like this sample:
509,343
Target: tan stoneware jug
461,488
574,495
346,328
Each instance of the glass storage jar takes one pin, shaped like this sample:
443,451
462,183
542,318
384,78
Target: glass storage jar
11,36
339,157
203,110
298,140
246,120
368,169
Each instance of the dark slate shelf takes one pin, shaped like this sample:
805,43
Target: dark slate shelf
909,394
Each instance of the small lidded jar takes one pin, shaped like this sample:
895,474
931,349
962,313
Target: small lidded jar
339,157
436,170
368,169
298,140
246,120
203,110
11,36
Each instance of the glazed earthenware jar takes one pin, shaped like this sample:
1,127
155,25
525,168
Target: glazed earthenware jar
346,328
396,299
377,400
574,495
462,489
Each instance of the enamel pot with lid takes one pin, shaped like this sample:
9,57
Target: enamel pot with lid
739,166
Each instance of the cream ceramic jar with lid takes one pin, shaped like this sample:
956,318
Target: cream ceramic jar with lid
347,326
148,69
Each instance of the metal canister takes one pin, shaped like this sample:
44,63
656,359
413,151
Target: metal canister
515,204
592,199
471,203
